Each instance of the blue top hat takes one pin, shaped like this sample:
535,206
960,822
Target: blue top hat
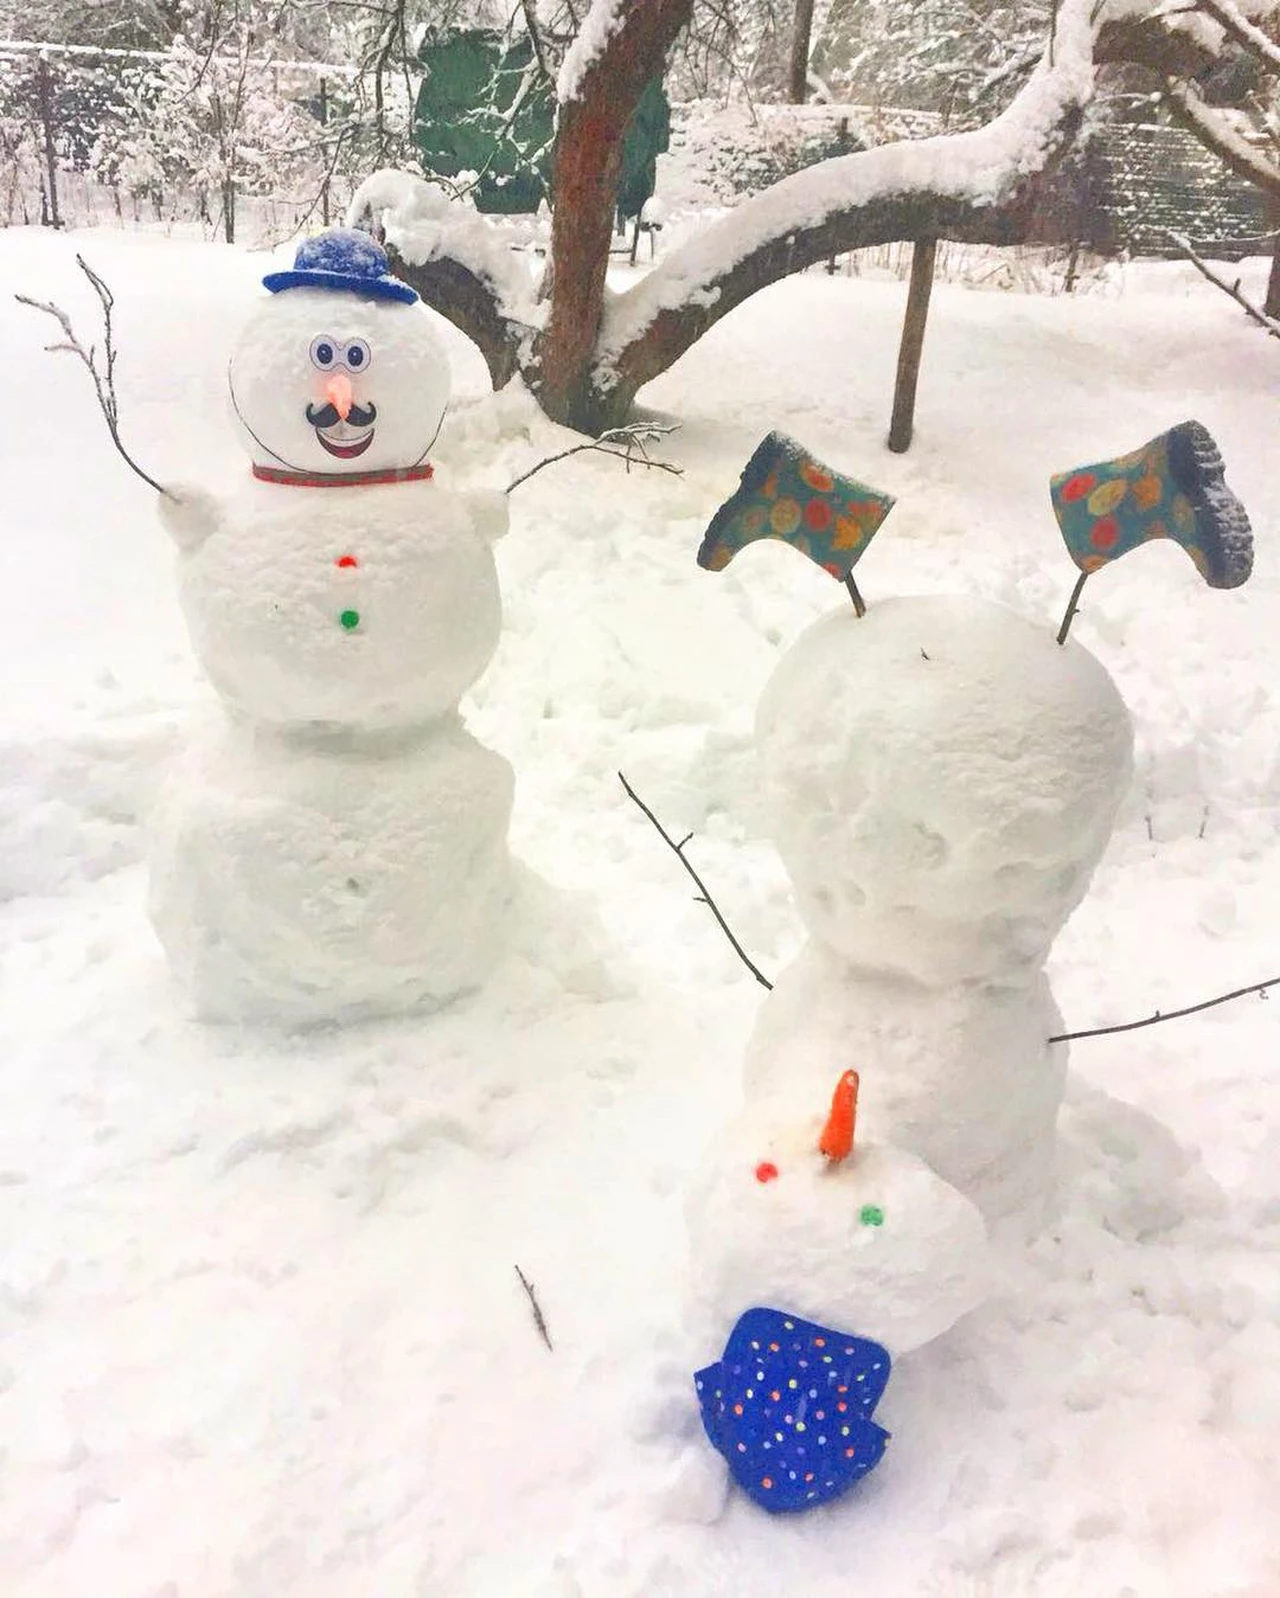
343,259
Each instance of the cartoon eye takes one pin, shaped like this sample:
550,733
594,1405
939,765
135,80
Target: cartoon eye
357,356
324,352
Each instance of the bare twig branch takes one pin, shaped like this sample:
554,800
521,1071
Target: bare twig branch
1233,289
539,1319
1169,1015
1187,105
535,37
635,438
104,384
704,897
1243,31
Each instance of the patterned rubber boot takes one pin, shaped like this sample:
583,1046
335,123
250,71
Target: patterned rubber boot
1173,487
786,494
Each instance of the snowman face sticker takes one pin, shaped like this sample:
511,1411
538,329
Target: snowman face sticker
325,382
344,427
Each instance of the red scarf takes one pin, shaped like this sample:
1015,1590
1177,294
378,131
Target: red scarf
392,474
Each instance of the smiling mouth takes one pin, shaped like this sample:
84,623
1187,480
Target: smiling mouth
343,450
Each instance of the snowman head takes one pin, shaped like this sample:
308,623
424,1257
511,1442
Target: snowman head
339,371
868,1239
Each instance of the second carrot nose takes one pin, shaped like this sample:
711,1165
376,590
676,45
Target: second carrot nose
338,393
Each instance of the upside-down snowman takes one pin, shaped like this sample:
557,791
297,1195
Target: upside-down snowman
940,776
336,845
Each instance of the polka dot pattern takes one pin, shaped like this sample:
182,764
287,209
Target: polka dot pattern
1173,487
789,1406
787,495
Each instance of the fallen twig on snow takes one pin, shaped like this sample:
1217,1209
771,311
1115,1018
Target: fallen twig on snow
1233,289
538,1318
104,383
703,896
1169,1015
635,438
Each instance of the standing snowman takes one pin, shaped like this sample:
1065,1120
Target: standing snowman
941,777
335,845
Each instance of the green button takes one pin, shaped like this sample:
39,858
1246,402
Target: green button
871,1215
350,619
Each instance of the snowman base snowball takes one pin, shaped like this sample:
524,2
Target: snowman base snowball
295,882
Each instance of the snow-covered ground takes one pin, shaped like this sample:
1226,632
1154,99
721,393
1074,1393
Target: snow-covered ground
261,1331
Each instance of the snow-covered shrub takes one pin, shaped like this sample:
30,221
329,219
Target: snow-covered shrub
719,153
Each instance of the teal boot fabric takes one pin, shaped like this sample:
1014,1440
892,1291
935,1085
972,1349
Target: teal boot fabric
1173,487
788,495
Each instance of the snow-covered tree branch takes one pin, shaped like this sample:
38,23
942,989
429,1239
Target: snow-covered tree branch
586,355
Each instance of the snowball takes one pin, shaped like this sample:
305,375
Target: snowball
877,1246
299,881
364,607
962,1076
296,341
941,778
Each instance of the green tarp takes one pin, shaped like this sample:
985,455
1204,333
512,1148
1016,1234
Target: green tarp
485,107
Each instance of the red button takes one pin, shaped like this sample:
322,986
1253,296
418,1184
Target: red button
346,560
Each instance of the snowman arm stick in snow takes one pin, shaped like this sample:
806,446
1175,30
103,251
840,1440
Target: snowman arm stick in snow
1167,1015
104,383
704,895
635,438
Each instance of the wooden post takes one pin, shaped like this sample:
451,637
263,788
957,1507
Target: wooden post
1272,303
44,92
904,389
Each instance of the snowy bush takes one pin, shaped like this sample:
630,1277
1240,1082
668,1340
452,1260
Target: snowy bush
721,152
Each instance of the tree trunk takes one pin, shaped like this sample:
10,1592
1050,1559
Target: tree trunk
801,33
45,93
593,354
1272,304
586,169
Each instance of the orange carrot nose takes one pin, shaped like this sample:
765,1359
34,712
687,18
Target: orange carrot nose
338,392
837,1136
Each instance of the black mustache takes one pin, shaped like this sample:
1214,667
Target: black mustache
327,416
